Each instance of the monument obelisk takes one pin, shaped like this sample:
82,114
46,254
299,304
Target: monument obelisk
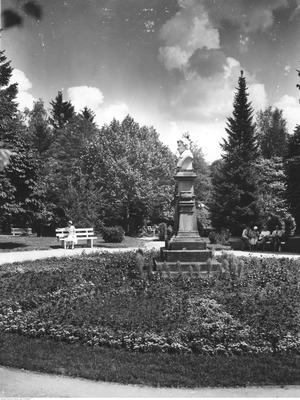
186,246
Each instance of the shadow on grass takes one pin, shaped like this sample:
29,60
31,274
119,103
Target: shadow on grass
11,245
153,369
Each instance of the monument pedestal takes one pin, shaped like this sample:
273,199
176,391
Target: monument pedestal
186,250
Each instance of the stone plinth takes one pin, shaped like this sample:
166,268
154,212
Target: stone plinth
186,247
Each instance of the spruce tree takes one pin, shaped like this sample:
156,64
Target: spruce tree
62,111
18,199
293,172
234,200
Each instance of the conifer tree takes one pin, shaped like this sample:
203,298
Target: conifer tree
18,200
293,173
234,200
62,111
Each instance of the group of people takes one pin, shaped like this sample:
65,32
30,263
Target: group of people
253,238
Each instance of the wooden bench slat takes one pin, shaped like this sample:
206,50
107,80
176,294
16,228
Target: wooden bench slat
81,234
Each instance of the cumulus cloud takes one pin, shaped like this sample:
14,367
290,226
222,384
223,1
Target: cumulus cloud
116,110
190,29
93,98
24,98
196,27
290,107
250,16
85,96
207,62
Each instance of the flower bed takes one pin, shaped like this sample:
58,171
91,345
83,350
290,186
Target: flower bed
101,301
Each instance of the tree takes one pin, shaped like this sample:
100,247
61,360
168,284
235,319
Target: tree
271,182
17,181
61,112
292,164
12,17
234,200
202,184
134,171
272,132
66,186
88,114
39,132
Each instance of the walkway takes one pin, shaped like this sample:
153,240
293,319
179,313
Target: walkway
20,256
20,383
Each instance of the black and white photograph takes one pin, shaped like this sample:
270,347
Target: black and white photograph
149,198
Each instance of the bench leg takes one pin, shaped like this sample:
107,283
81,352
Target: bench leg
92,243
65,244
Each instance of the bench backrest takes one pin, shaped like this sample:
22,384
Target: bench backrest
80,232
21,231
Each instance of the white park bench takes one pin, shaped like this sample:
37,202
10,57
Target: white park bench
21,231
81,234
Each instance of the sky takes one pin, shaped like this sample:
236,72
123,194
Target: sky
170,64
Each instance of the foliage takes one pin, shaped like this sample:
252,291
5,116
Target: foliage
234,200
221,237
202,184
292,165
162,231
19,200
10,17
113,234
271,181
134,171
250,307
272,133
61,112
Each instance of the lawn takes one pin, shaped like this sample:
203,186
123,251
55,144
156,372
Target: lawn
93,316
22,243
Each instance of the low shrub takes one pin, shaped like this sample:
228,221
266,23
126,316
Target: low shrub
114,234
162,231
251,306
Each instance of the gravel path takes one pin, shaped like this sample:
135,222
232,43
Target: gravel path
19,256
20,383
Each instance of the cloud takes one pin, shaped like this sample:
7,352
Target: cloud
290,106
197,23
204,99
250,16
93,98
296,11
85,96
258,96
107,114
207,62
190,29
24,98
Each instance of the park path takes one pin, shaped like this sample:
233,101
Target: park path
20,383
19,256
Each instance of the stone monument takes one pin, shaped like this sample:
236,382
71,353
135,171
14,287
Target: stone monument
186,249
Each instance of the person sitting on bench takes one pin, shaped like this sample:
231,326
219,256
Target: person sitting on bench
71,239
263,237
277,236
246,236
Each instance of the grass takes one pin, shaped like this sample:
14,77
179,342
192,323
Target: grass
155,369
10,243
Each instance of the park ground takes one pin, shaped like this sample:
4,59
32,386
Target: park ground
16,383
